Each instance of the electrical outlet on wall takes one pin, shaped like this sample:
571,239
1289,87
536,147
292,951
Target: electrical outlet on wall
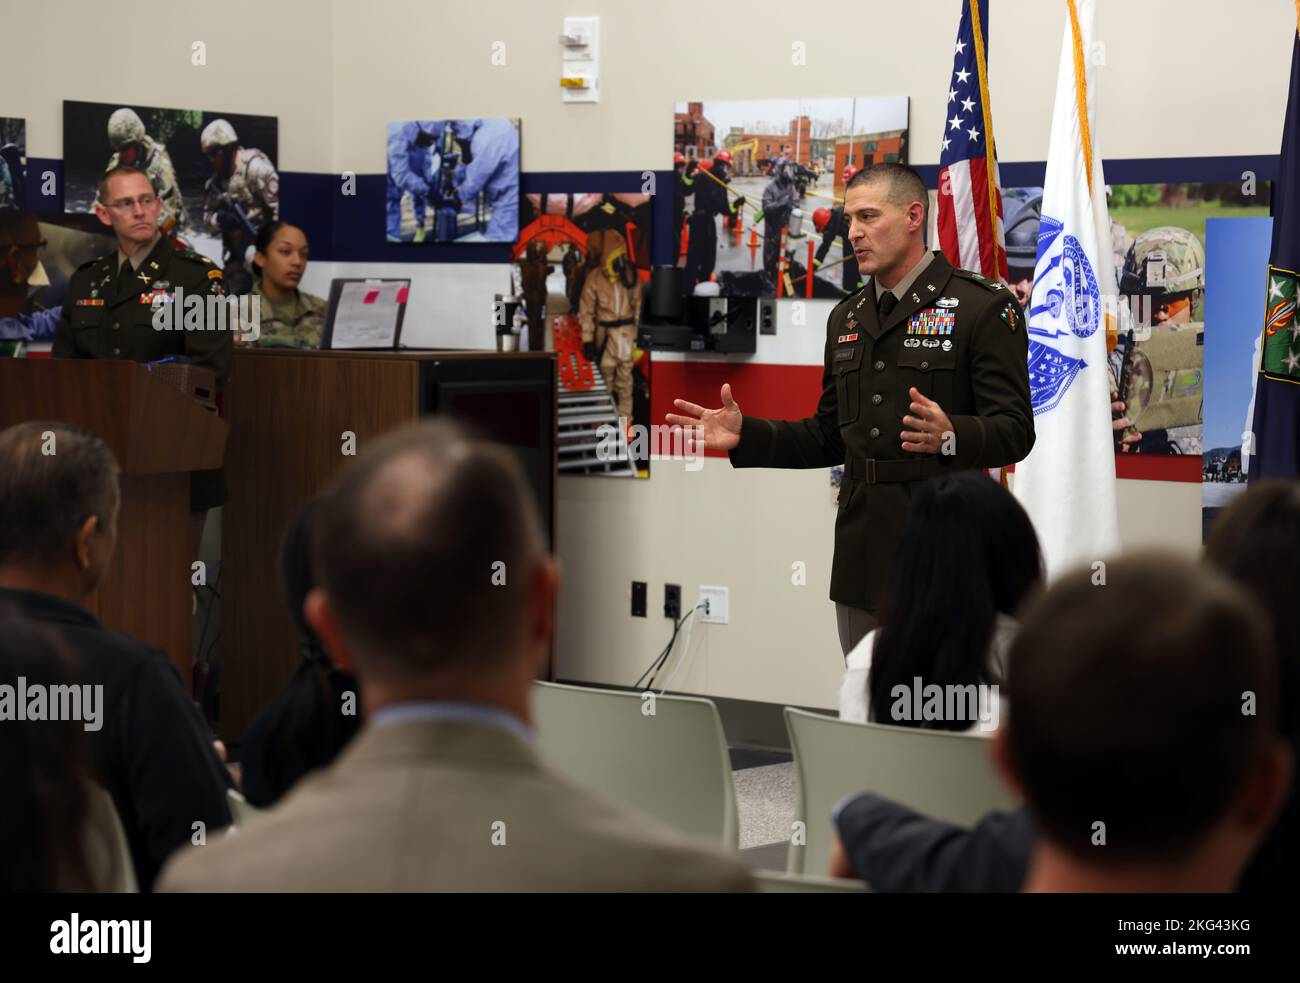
718,605
672,601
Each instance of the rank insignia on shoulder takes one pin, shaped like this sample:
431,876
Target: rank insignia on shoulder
214,274
1011,315
844,339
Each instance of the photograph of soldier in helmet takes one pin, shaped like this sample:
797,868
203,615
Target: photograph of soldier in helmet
13,162
453,180
207,168
759,189
593,251
240,197
1158,365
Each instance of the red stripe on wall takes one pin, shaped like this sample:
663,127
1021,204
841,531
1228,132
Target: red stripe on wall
780,392
790,392
1158,467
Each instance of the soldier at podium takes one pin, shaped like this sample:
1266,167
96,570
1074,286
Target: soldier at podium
109,307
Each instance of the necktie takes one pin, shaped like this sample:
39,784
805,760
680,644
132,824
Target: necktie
126,280
887,304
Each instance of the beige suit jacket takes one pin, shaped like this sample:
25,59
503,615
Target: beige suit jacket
442,806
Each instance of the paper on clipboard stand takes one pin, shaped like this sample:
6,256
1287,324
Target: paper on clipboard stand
368,312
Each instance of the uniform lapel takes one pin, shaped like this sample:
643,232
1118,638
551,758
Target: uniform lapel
138,281
863,310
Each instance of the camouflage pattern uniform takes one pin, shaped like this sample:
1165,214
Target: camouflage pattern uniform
294,323
254,187
124,128
1163,384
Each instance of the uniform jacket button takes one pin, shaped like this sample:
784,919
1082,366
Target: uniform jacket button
117,351
875,432
925,365
875,400
880,366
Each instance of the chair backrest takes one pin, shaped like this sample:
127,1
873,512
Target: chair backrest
943,774
110,855
771,882
665,756
241,810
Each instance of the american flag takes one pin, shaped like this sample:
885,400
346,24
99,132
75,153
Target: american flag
970,194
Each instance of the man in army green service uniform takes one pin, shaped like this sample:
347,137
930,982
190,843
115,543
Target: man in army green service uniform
925,374
109,307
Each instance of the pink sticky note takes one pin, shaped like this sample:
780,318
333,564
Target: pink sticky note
370,297
401,295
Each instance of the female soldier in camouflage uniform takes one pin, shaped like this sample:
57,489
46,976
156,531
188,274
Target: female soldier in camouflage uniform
290,318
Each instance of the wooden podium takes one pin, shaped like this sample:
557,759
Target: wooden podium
292,415
158,435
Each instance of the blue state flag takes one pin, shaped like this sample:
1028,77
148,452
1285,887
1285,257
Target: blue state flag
1273,445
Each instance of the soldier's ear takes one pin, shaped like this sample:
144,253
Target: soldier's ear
101,213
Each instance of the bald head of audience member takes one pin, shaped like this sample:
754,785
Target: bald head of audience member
435,579
1142,731
59,501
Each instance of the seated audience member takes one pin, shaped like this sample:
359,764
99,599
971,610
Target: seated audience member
1122,792
21,318
318,712
290,318
967,559
1256,542
442,789
152,750
56,833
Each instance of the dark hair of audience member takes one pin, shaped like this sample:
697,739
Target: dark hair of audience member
50,487
44,773
968,553
296,575
265,236
426,546
1128,706
1255,541
304,727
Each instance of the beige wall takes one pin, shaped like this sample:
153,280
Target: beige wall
1180,78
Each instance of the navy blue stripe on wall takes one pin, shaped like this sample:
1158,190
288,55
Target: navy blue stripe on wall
350,228
1135,170
36,168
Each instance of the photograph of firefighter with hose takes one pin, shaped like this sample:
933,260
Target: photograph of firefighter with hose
453,180
759,190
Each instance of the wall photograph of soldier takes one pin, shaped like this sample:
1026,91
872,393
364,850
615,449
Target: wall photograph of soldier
1158,365
209,168
453,180
749,177
13,162
582,264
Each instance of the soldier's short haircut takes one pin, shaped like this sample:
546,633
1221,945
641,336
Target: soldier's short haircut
903,185
118,169
426,546
1128,707
53,476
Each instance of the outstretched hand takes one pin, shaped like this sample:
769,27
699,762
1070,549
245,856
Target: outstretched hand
714,430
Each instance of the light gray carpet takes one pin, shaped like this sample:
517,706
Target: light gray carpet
765,803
